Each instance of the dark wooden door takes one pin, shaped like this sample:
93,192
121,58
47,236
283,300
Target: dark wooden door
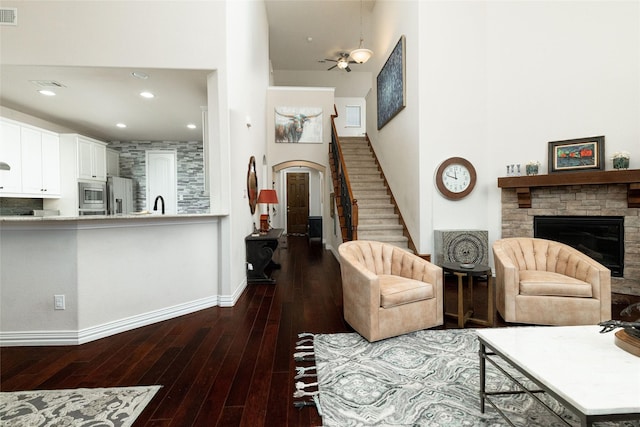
297,202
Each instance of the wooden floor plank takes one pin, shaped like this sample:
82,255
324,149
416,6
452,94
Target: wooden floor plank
223,366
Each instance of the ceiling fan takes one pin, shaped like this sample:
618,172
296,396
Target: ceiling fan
342,62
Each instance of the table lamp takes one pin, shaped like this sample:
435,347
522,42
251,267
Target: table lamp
267,197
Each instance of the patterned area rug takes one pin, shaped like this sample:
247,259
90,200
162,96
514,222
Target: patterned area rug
83,407
426,378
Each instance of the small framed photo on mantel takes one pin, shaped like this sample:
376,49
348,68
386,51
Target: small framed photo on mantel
575,155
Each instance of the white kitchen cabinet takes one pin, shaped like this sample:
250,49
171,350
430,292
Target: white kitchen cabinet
10,153
92,159
40,163
113,163
51,164
34,157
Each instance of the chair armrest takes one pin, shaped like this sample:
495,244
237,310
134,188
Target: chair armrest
507,282
359,284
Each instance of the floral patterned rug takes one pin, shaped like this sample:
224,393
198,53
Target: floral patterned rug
95,407
425,378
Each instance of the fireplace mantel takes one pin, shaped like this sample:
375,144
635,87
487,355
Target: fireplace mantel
524,184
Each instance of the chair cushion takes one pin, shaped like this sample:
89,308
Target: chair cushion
397,290
533,282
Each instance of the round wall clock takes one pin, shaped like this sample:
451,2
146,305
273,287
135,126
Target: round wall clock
455,178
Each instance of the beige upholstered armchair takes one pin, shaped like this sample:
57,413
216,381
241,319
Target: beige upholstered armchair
388,291
549,283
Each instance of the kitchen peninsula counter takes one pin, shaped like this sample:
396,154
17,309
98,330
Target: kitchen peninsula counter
116,272
28,218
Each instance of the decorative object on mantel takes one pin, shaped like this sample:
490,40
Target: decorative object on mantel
532,167
514,170
620,160
576,154
524,184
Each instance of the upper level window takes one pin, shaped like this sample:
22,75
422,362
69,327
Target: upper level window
352,116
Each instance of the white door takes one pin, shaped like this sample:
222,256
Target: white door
162,181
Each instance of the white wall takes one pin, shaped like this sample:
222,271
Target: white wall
453,112
130,267
248,80
494,82
555,71
341,124
398,144
115,274
228,37
318,154
354,84
36,263
149,34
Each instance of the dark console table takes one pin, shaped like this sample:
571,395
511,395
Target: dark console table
260,249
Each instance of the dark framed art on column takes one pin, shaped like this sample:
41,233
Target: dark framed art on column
391,87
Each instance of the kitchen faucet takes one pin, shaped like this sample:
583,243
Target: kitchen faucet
155,204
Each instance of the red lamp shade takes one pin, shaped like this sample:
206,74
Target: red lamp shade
268,196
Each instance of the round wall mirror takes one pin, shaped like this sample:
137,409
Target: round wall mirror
252,185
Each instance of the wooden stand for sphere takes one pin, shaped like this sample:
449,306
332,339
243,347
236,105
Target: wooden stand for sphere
627,342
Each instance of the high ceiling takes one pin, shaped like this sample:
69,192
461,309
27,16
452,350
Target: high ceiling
302,33
92,100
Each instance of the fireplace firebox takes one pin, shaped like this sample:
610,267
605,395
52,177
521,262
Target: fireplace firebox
600,237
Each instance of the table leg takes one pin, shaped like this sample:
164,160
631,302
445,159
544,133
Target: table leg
460,301
482,354
490,298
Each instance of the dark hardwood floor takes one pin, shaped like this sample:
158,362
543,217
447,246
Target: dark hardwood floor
220,366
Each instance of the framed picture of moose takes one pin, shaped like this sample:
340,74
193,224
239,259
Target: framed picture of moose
576,154
391,88
298,124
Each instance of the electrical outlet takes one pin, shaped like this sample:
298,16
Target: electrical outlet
58,302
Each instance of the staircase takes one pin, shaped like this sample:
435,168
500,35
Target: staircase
377,219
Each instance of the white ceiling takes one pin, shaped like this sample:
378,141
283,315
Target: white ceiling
93,100
333,26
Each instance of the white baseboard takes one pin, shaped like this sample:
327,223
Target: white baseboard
230,300
44,338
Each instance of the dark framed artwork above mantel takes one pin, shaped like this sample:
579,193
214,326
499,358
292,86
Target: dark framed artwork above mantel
575,155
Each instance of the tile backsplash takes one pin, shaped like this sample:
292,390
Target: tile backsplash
18,206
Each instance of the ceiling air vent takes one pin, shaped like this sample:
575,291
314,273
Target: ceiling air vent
47,83
8,16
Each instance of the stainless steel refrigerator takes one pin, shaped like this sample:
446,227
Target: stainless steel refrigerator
120,195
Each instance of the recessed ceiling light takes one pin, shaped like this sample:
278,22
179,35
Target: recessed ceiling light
191,126
47,92
140,75
121,125
147,95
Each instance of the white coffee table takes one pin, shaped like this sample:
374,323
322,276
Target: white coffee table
578,366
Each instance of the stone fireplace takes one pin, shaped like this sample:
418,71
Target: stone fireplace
524,198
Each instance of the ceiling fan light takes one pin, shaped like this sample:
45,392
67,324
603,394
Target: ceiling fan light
343,63
361,55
